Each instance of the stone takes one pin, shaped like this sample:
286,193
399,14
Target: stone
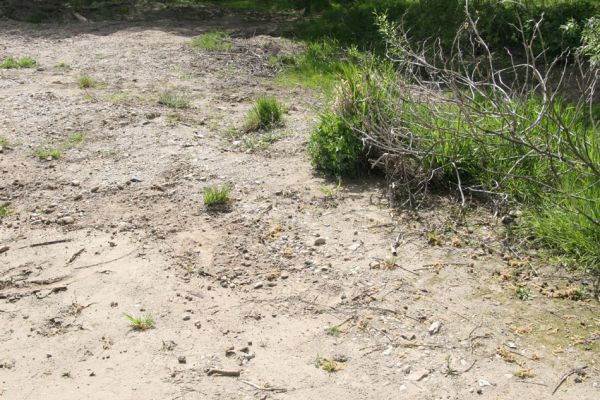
181,359
418,375
435,327
258,285
66,220
320,241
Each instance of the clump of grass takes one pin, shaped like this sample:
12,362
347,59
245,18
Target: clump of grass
17,63
524,293
326,365
266,113
173,100
216,196
45,154
3,141
524,374
63,65
4,210
74,140
86,82
140,323
333,331
212,41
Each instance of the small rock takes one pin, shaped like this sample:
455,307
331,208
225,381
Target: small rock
198,324
66,220
258,285
434,327
484,383
186,318
4,249
135,179
320,241
95,189
512,345
181,359
284,275
75,183
418,375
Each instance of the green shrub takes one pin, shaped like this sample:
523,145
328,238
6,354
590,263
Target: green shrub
15,63
335,148
266,113
86,82
173,100
4,210
212,41
216,196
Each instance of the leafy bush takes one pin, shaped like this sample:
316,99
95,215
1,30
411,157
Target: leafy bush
212,41
266,113
15,63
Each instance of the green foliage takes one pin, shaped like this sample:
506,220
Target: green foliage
86,82
266,113
45,154
16,63
212,41
216,196
4,210
524,293
173,100
3,141
140,323
591,41
335,148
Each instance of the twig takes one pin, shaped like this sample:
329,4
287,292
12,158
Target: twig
264,388
531,383
74,256
578,371
47,243
105,262
223,372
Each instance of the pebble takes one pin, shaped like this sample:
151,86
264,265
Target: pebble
186,318
181,359
435,328
320,241
258,285
418,375
66,220
284,275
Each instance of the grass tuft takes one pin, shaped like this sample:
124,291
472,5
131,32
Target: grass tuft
45,154
266,113
86,82
215,196
4,210
17,63
212,41
140,323
173,100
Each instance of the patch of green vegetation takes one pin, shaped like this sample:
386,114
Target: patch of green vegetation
45,154
120,97
140,323
86,82
4,210
217,196
173,100
74,140
524,293
17,63
4,141
333,331
326,365
266,113
212,41
63,65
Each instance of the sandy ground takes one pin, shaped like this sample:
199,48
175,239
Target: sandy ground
252,288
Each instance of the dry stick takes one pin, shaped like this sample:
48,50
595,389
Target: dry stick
223,372
74,256
47,243
578,371
266,389
105,262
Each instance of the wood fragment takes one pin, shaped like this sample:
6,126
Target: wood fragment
105,262
74,256
578,371
47,243
264,388
223,372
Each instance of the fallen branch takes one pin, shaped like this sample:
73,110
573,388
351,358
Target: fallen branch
105,262
578,371
222,372
47,243
74,256
265,388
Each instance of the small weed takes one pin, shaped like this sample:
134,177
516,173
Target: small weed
524,374
4,210
215,196
505,355
574,293
16,63
331,191
63,65
4,141
524,293
45,154
120,97
212,41
326,365
333,331
186,77
173,100
107,153
434,239
86,82
74,140
141,323
266,113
